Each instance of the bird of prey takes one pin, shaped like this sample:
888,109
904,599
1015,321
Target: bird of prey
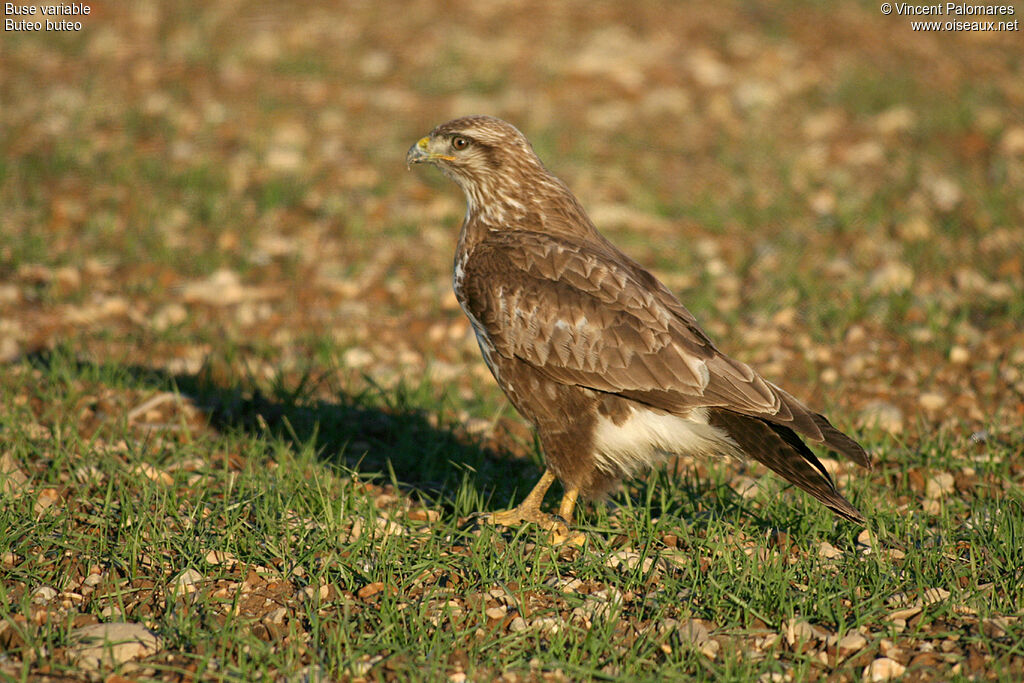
613,372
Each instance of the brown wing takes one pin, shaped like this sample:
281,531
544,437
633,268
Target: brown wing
583,313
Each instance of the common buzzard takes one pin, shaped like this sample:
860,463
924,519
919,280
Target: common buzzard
609,367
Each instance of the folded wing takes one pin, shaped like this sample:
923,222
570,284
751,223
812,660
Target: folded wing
585,314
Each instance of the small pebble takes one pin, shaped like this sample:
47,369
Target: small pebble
852,642
186,582
932,400
883,669
959,355
939,485
44,594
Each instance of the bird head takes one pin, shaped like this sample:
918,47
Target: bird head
505,183
486,156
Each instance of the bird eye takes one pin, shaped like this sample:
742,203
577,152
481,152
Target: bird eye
459,142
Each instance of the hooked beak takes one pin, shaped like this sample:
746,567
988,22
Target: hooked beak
420,152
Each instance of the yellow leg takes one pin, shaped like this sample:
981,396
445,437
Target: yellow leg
566,511
567,508
529,511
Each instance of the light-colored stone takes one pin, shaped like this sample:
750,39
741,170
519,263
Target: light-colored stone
905,613
153,473
865,542
946,193
188,581
798,630
388,527
548,625
888,648
221,557
44,594
46,498
933,595
745,486
168,316
12,477
89,474
932,400
891,278
823,202
1013,141
10,349
895,120
915,228
823,124
321,592
959,355
900,599
829,551
694,632
630,559
882,415
939,485
222,288
106,645
710,648
276,616
357,357
851,642
883,669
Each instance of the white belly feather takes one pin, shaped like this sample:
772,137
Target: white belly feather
646,438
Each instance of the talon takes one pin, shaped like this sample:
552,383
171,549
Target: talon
560,534
557,526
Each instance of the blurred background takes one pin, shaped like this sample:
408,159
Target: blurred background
839,199
218,280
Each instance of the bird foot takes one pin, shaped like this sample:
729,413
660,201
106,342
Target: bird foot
558,529
568,537
529,511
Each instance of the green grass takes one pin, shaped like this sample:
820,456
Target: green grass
282,487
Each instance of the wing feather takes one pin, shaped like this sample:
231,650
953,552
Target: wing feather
583,313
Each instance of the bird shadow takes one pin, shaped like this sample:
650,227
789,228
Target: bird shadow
383,435
387,436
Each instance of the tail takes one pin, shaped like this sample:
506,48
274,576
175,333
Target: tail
779,448
816,427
